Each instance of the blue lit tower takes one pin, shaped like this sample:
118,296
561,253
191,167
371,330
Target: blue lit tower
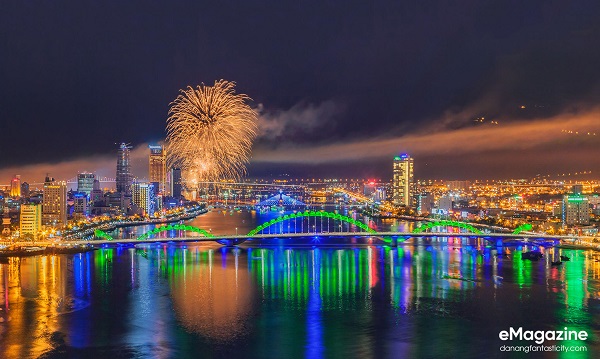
124,177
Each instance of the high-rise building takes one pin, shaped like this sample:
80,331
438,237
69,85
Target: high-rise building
97,195
25,189
402,181
15,186
31,219
80,203
425,203
157,170
176,183
124,176
85,183
576,210
142,195
54,210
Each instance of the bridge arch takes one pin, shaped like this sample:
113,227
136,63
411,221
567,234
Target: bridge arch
101,234
176,227
523,227
308,214
446,223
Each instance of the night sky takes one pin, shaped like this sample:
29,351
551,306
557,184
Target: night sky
341,86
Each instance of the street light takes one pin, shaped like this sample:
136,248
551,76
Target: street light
236,231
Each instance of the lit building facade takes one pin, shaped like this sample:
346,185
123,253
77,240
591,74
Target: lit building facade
54,210
15,186
402,181
142,195
31,220
124,177
576,210
81,204
85,183
157,167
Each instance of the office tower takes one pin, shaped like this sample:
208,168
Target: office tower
85,183
142,195
576,210
81,203
31,219
25,189
176,183
124,176
157,167
54,209
402,182
425,203
97,195
15,186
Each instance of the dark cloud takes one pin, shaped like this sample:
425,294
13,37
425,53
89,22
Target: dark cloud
78,77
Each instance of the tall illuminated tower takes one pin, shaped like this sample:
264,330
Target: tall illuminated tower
54,208
157,166
402,181
124,177
15,186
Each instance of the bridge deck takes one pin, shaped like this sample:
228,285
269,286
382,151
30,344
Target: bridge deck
506,236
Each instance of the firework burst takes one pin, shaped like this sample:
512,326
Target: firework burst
210,131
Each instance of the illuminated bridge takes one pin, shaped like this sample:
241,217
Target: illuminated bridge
321,224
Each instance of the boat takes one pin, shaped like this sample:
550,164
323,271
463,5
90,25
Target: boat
565,258
532,256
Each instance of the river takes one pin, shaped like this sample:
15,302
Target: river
446,298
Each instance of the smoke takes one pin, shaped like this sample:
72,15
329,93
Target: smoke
524,135
101,165
302,118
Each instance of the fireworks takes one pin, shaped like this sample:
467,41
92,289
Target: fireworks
210,131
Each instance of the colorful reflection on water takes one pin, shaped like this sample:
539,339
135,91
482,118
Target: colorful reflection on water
423,299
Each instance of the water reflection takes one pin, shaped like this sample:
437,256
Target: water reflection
164,301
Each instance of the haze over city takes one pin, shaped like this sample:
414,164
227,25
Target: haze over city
340,89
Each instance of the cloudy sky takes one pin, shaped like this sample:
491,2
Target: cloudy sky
341,86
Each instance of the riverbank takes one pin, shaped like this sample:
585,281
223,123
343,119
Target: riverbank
28,251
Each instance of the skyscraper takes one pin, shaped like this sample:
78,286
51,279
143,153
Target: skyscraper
54,209
142,195
85,183
15,186
402,181
176,183
157,169
124,177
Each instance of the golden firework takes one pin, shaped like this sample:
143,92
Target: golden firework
210,131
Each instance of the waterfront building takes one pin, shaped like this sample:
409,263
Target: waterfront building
576,210
176,183
85,183
425,203
54,209
402,181
142,195
157,167
81,204
31,220
15,186
124,177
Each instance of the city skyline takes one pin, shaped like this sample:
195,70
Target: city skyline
464,96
